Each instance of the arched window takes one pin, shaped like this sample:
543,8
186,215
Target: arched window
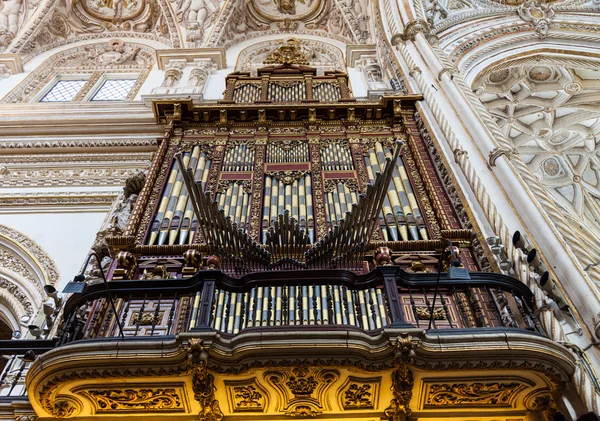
107,71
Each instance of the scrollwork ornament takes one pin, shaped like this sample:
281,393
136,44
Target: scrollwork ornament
142,399
479,393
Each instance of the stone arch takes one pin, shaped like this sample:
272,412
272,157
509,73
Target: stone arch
24,270
544,100
94,59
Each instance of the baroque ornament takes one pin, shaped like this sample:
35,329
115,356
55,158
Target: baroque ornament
540,14
119,400
289,53
203,382
473,394
402,380
302,390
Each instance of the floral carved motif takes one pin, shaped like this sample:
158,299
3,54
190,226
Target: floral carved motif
136,399
358,396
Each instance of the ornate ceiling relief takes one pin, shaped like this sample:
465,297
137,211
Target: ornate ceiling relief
240,21
66,21
197,17
14,14
549,113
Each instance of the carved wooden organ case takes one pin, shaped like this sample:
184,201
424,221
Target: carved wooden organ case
289,150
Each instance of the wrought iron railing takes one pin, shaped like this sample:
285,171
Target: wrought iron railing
17,356
322,299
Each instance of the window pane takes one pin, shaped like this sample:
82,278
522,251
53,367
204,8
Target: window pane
114,90
63,91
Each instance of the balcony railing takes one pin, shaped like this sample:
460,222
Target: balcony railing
17,356
326,299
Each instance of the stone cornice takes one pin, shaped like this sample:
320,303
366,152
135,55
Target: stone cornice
93,201
76,119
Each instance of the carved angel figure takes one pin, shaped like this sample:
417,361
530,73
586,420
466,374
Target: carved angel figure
201,12
10,11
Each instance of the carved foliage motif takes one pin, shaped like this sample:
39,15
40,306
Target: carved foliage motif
246,396
153,400
360,393
473,394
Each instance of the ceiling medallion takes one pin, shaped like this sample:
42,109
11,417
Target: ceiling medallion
268,11
116,12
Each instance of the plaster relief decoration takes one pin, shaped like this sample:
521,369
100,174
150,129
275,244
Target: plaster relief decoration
24,270
323,56
89,62
197,16
246,396
13,16
123,14
548,112
540,14
65,22
302,391
240,21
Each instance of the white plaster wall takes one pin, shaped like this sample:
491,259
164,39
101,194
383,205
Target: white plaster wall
66,237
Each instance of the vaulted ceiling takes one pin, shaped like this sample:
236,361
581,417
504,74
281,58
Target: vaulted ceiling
29,27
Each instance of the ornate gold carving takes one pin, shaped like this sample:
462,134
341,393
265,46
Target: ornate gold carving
541,401
223,185
248,398
285,84
287,176
203,382
289,53
246,395
402,380
331,184
358,396
473,394
147,318
136,400
302,389
424,313
158,272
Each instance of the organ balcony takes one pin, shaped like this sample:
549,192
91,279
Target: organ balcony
257,339
297,253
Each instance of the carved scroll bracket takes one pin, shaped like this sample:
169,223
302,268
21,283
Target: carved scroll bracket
402,379
203,383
